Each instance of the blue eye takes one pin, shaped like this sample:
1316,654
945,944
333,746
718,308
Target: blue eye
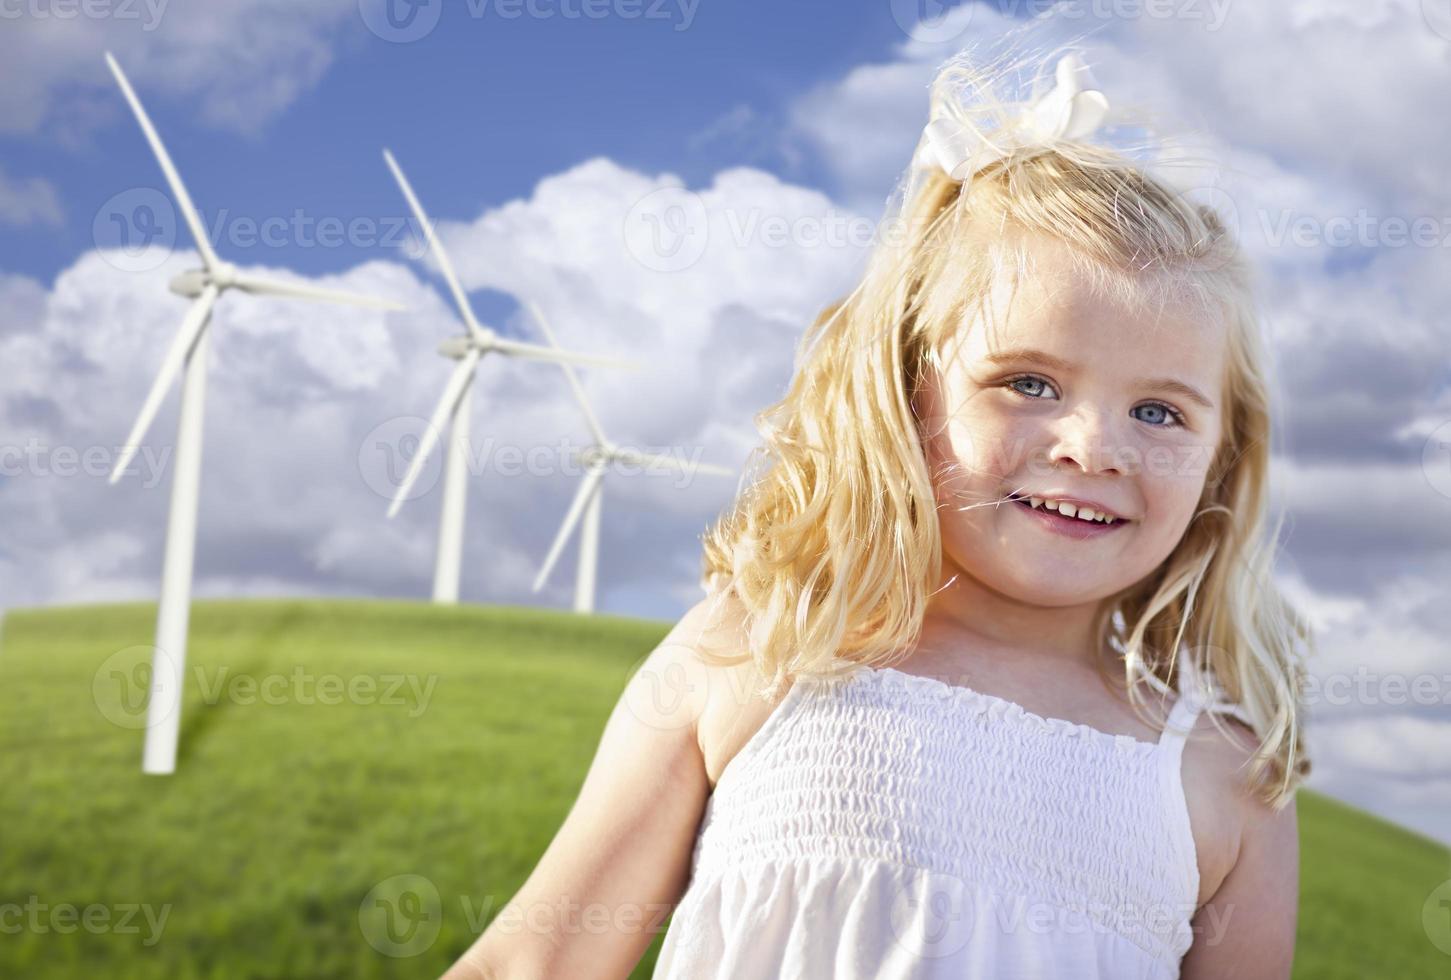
1174,415
1025,379
1170,417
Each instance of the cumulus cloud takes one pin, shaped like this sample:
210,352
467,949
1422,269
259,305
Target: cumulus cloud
240,61
311,408
28,200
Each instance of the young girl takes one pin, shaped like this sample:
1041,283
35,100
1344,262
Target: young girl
957,704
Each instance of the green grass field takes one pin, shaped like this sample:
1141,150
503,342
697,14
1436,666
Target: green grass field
376,836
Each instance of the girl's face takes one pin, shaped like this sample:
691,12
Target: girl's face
1054,393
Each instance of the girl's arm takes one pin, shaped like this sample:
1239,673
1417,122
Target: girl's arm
621,860
1247,929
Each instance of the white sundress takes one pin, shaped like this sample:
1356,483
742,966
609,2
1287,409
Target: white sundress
888,825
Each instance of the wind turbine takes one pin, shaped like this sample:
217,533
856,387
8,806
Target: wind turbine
596,459
453,406
188,355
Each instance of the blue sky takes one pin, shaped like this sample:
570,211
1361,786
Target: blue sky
476,111
534,143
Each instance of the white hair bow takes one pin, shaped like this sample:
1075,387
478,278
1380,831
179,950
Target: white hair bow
1072,109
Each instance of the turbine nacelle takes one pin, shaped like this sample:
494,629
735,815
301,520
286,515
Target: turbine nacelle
599,455
191,283
456,348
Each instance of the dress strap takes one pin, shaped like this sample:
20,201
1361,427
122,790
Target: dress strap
1180,722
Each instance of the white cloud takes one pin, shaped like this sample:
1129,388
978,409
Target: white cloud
28,200
301,396
240,61
1394,747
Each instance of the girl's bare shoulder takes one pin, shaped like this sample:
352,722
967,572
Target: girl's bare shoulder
1218,793
728,708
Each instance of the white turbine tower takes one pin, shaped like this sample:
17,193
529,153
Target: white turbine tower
453,407
188,355
595,460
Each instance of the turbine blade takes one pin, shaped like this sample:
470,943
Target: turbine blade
537,352
587,489
574,385
457,382
262,286
460,298
178,189
191,327
674,462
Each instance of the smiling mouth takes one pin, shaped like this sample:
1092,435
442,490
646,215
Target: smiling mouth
1071,526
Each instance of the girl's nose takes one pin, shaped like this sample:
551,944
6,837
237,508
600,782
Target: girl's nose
1087,439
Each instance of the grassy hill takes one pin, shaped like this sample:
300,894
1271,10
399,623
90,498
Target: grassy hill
363,784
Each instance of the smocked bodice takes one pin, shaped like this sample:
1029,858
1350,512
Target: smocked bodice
884,824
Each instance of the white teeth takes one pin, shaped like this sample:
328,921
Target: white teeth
1071,510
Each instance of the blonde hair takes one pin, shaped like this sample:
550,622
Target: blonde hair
834,546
